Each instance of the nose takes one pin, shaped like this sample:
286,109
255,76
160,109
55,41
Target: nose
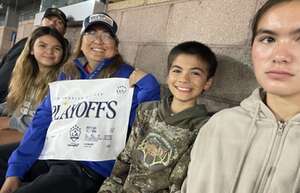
49,50
282,53
184,77
52,25
51,22
98,40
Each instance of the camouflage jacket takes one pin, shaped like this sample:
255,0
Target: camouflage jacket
157,153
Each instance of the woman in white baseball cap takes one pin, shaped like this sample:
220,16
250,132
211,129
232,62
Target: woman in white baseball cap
96,56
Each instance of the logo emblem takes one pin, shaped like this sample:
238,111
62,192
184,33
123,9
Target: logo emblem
121,90
75,132
156,152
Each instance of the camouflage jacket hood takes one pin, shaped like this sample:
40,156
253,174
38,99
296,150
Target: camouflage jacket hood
156,155
187,119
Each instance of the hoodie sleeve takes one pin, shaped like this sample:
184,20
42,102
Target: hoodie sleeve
32,144
179,172
148,89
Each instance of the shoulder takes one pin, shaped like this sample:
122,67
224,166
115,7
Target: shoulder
13,53
16,50
230,114
124,70
18,47
20,44
150,105
228,121
148,109
23,41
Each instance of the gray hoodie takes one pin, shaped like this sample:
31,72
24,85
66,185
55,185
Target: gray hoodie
246,150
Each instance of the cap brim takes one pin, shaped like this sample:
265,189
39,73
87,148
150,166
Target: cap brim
59,16
100,23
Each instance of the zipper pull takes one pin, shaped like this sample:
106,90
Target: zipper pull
281,126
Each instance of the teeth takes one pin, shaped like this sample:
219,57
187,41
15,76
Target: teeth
97,49
183,89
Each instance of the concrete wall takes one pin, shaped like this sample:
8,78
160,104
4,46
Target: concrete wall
148,29
11,18
5,38
25,28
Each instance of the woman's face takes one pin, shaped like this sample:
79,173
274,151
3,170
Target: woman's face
276,50
47,51
97,44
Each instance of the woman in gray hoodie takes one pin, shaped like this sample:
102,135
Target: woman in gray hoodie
256,147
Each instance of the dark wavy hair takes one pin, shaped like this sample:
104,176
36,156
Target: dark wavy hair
197,49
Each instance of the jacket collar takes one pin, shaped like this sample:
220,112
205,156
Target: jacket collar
81,62
198,111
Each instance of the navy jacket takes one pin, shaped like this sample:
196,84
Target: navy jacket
27,153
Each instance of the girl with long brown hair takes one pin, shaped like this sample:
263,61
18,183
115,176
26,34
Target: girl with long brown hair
38,64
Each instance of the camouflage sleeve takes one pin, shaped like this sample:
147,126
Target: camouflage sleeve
180,170
114,183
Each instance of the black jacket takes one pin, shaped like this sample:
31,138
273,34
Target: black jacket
7,65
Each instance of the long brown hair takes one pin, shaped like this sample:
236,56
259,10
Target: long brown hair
71,71
26,76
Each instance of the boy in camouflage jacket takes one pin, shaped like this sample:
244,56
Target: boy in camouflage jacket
156,156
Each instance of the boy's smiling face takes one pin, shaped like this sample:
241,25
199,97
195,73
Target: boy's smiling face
187,79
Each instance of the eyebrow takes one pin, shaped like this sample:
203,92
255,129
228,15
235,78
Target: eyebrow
270,32
265,31
195,68
295,32
56,45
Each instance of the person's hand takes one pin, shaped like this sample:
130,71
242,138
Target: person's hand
135,76
4,122
10,184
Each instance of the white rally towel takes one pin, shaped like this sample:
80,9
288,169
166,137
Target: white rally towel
89,119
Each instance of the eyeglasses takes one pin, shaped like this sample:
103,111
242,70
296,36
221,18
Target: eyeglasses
94,35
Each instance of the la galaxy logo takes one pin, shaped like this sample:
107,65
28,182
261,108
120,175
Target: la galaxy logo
75,132
122,90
